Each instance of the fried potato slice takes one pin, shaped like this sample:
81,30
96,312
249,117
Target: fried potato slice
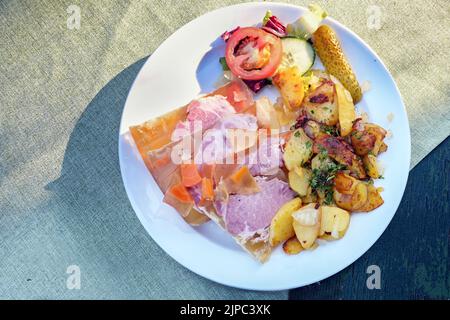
299,180
367,137
321,104
338,149
371,166
292,246
379,134
298,149
334,222
347,114
289,82
281,227
307,225
352,196
374,199
383,148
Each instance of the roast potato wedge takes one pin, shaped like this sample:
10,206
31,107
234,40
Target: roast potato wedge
346,110
334,222
383,148
320,104
371,166
374,199
281,227
299,180
345,183
367,137
338,149
292,246
328,48
298,149
289,82
312,128
379,134
362,142
351,202
307,225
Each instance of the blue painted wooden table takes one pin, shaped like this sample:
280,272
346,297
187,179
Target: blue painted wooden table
413,253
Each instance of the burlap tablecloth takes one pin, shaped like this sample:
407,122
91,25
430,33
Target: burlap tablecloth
62,202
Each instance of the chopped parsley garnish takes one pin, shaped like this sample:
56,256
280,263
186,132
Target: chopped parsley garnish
323,180
333,131
308,144
297,134
322,151
328,198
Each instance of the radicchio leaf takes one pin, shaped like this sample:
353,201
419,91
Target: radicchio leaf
227,34
257,85
274,26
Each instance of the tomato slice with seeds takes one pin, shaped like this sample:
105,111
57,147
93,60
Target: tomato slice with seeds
253,54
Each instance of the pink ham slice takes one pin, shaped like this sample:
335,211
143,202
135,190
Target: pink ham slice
247,214
215,145
205,111
209,110
155,138
267,159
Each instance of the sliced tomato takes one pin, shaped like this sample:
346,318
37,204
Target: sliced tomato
253,54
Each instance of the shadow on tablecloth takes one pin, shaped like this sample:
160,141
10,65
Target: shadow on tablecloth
121,259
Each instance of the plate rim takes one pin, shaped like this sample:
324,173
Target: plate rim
243,286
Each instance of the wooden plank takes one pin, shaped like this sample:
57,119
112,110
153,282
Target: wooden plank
413,253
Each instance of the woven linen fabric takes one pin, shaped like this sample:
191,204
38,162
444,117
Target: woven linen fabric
62,202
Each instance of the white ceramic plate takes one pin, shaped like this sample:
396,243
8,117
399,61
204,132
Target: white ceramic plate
184,66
